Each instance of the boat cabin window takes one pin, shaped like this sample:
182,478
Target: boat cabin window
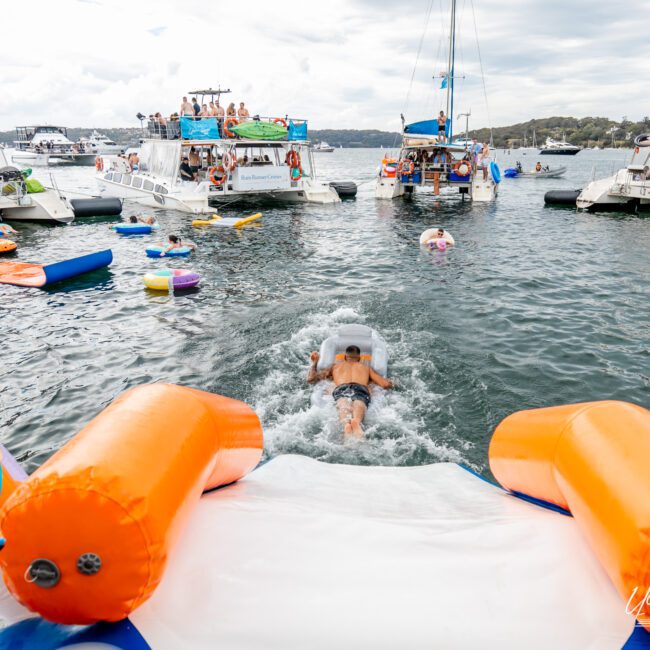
160,189
126,179
137,181
117,178
108,177
148,185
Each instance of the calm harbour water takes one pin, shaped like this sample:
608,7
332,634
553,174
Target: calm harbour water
534,306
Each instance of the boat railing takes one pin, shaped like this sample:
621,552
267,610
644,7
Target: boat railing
13,189
603,169
170,129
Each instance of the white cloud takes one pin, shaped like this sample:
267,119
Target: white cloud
342,64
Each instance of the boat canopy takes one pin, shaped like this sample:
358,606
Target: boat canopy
161,158
425,127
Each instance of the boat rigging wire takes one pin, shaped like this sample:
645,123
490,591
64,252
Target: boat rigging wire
480,60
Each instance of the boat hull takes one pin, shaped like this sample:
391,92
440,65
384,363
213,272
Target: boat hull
44,207
558,152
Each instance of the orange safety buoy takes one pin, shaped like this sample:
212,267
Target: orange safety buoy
90,532
389,167
231,121
99,163
405,162
212,174
279,120
229,161
462,168
636,149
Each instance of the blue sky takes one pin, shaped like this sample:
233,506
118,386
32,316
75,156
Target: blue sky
342,64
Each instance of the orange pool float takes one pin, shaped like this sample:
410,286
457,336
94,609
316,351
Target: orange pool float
90,532
594,460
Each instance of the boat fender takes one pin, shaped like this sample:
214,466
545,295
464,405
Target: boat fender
97,207
495,172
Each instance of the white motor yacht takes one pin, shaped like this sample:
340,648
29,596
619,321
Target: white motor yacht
18,204
48,145
98,143
323,147
627,188
223,169
559,148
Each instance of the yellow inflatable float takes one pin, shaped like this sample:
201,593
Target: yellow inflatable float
230,222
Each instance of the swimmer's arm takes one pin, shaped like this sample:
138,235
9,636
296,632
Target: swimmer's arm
382,382
314,375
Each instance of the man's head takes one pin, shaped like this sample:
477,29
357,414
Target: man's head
442,113
241,104
186,159
352,353
194,99
441,232
184,99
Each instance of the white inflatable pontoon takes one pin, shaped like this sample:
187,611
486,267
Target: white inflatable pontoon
304,554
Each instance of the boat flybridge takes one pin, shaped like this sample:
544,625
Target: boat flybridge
190,163
629,187
430,158
45,145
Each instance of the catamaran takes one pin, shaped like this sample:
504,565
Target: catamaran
429,158
258,158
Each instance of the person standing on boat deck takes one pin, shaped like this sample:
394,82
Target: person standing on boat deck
231,110
196,107
212,109
442,127
351,395
475,150
243,112
187,108
195,160
440,159
204,112
485,159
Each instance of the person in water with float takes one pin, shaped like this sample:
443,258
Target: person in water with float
352,392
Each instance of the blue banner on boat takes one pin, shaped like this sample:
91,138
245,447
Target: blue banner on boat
426,127
297,131
203,129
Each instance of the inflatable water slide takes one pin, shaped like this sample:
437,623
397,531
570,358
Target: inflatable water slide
156,527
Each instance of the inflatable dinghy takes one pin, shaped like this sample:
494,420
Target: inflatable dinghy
373,353
305,554
228,222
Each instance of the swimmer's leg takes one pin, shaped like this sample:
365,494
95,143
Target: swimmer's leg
344,407
358,413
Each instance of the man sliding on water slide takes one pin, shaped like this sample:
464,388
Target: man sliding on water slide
351,394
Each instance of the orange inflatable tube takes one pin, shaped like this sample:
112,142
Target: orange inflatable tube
594,460
89,533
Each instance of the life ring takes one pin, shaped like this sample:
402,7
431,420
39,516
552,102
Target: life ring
229,161
462,168
99,163
389,167
231,121
293,160
402,164
431,235
279,120
298,176
212,172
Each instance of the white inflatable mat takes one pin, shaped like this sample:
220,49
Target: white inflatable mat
303,554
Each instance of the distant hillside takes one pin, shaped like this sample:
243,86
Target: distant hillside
586,132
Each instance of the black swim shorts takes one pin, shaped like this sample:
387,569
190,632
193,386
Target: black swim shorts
352,392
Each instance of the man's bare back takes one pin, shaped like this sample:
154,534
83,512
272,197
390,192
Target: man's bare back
352,395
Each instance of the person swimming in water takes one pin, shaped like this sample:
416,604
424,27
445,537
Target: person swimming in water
352,392
176,242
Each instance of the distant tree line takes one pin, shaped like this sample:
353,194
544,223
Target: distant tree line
586,132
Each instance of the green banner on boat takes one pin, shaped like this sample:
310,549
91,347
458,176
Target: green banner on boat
255,130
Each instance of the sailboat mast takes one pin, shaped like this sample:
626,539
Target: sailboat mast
450,68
